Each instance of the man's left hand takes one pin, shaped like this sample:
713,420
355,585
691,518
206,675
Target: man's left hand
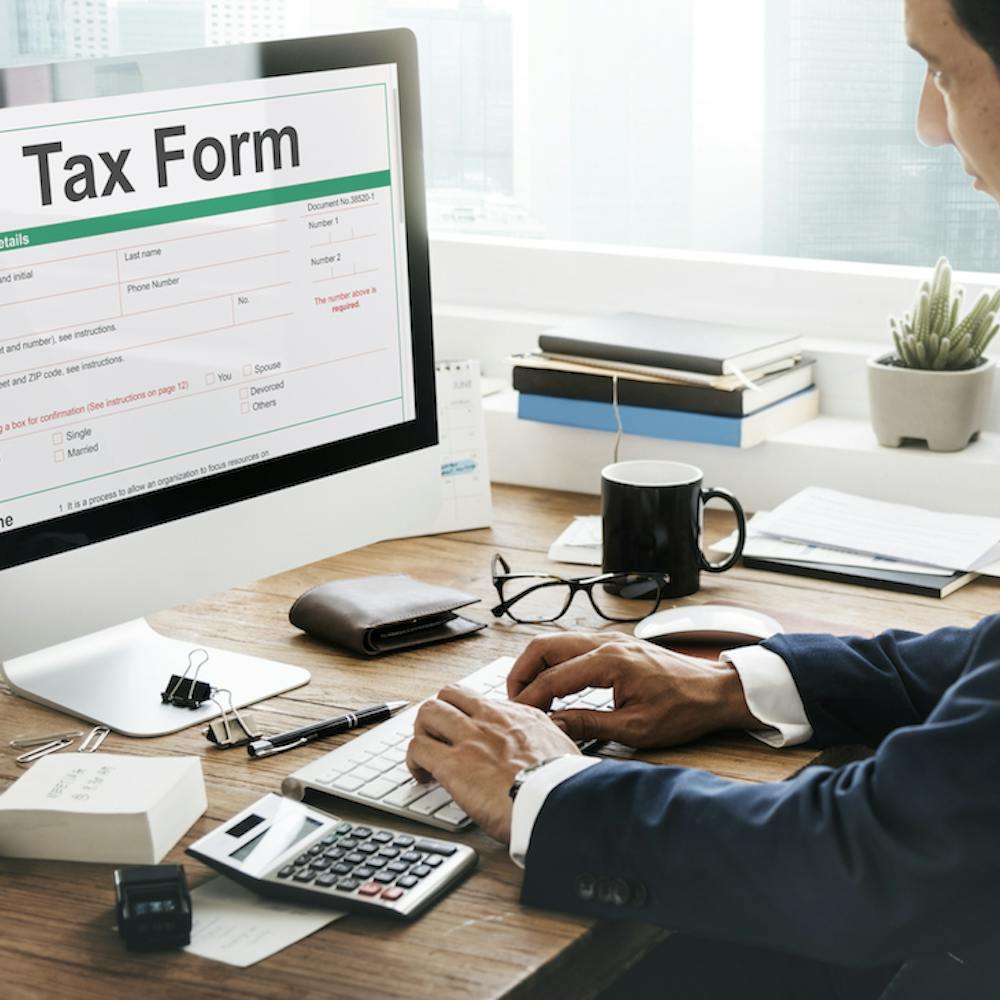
475,748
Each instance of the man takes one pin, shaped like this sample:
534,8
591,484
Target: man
890,865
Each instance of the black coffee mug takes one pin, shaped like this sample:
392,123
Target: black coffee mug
652,523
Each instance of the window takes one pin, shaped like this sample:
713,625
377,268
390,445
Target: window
777,127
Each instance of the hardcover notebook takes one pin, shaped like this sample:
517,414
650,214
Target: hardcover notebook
664,342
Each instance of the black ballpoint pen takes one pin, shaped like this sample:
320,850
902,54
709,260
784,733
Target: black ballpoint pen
280,742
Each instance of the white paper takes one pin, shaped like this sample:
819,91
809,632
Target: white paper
841,521
238,927
765,547
466,501
580,544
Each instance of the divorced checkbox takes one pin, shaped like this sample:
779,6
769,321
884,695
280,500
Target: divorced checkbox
244,393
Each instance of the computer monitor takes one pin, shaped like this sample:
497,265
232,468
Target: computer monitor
215,349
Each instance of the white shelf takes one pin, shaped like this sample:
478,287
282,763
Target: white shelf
836,452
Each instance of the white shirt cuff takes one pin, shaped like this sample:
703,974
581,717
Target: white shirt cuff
532,795
771,696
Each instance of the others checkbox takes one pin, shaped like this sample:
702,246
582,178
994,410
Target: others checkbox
244,407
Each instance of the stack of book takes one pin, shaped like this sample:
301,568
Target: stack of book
667,378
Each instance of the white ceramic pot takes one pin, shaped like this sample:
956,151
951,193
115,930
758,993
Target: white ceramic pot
946,409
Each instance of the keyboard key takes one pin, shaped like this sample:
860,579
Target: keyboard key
382,837
396,755
354,858
315,849
341,868
363,871
320,864
421,871
398,774
451,814
348,885
407,793
410,856
303,859
365,773
370,889
287,872
304,875
328,840
389,852
433,860
377,789
431,802
349,843
376,862
381,764
362,832
326,880
392,894
384,877
349,783
334,853
436,847
404,840
407,881
397,866
367,848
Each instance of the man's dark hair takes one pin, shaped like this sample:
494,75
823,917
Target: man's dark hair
982,22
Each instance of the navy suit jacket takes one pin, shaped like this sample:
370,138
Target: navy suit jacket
885,860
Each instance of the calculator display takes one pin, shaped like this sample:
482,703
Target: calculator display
276,845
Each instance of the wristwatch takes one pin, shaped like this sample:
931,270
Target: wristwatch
522,775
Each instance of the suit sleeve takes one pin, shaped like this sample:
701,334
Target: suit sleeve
859,690
879,861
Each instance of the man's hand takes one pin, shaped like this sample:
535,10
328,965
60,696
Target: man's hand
475,748
661,698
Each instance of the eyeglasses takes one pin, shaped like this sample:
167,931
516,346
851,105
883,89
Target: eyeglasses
544,597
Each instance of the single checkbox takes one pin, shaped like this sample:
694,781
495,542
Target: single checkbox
59,455
209,378
244,407
57,438
244,393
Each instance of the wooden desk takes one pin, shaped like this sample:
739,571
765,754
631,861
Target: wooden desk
57,918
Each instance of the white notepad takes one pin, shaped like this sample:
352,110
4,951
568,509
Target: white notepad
101,807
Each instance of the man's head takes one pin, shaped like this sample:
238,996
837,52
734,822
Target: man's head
960,103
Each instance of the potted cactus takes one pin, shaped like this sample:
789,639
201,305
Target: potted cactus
936,386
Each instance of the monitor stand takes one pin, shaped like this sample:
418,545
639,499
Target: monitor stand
114,678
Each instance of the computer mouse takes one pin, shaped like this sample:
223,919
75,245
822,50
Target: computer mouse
715,624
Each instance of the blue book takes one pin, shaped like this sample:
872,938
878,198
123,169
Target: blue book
674,425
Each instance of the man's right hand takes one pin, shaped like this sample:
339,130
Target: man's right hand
661,698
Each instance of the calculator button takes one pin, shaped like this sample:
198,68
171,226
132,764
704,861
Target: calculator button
410,856
304,875
389,852
348,885
334,853
375,862
367,848
397,866
303,859
421,870
407,882
320,864
348,843
354,858
287,872
382,837
436,847
392,893
384,877
326,880
404,840
328,840
363,871
362,832
370,889
433,860
315,849
341,869
343,828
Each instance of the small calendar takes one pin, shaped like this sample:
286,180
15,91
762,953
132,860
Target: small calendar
465,475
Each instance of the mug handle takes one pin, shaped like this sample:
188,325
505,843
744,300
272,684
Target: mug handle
741,521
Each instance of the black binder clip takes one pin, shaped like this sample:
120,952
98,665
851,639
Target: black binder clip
188,692
231,729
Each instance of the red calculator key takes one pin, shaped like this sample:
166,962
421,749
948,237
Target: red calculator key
370,889
392,893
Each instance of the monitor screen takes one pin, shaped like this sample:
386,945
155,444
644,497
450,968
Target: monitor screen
205,295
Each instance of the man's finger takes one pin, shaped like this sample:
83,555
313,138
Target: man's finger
582,724
591,669
545,652
464,700
443,722
427,758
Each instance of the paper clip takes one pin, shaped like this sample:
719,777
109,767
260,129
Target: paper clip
43,751
184,692
91,743
221,731
23,742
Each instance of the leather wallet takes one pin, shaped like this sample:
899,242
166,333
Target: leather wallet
375,615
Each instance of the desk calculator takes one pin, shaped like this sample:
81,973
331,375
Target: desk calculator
279,847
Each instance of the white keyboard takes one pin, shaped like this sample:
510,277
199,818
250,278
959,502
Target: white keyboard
371,768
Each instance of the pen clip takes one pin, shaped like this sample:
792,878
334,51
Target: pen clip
272,750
